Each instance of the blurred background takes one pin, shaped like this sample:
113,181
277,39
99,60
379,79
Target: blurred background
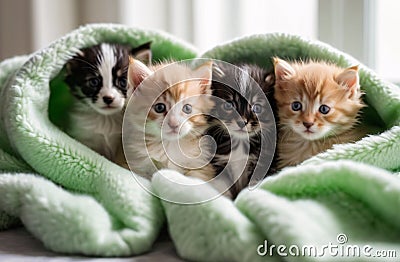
366,29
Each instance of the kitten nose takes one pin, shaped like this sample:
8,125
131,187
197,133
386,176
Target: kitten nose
241,124
173,124
173,127
308,124
108,99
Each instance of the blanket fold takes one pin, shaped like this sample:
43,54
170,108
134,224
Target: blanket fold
128,218
76,201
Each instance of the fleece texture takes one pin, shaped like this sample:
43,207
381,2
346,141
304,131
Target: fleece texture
69,197
76,201
352,189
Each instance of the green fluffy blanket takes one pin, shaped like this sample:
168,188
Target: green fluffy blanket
76,201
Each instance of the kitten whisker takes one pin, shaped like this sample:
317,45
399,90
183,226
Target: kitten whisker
233,138
310,89
164,87
97,123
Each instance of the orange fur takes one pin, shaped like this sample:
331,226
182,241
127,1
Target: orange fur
187,90
174,85
314,84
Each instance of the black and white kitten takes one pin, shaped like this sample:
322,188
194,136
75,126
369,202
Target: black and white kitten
239,120
97,78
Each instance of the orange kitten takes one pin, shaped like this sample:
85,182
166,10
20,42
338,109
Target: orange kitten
166,118
318,106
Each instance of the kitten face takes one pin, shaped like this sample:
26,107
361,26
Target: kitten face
177,111
243,106
181,108
98,76
316,100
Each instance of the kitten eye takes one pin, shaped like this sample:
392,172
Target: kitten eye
324,109
159,107
256,108
228,106
122,82
94,82
296,106
187,108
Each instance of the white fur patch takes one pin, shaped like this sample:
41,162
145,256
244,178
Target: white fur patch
107,61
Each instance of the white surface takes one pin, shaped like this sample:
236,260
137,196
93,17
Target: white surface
17,245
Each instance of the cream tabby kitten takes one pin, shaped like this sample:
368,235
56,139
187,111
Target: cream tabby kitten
165,118
318,106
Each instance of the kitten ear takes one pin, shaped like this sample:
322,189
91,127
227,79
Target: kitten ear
349,78
72,62
268,84
217,70
68,69
204,72
70,66
137,72
283,70
269,79
143,53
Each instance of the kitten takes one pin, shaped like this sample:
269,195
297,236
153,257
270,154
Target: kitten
318,106
97,80
240,119
165,118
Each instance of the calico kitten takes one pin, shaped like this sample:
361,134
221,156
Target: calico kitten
97,78
318,106
240,119
165,118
